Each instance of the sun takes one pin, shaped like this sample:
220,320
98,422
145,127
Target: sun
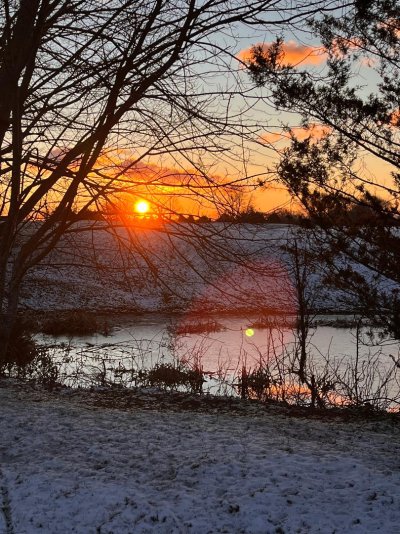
142,207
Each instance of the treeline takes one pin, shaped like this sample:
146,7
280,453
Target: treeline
250,216
253,216
328,212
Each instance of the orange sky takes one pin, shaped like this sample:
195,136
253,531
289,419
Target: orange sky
158,180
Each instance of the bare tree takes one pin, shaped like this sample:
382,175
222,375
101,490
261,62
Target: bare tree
90,91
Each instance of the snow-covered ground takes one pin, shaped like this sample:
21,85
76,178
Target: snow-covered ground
207,268
69,465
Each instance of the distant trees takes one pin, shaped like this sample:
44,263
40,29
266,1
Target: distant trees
249,215
347,177
254,216
91,91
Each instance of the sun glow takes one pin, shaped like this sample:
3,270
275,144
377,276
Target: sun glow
142,207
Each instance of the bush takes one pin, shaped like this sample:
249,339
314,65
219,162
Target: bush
257,384
198,327
21,349
174,377
74,324
24,359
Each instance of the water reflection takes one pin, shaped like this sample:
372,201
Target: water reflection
223,348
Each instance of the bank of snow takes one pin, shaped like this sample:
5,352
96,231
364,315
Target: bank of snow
70,467
181,267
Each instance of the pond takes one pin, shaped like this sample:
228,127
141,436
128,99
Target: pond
224,348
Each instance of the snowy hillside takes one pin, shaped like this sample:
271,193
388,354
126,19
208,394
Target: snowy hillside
198,267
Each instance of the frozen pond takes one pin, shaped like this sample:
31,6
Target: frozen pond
221,346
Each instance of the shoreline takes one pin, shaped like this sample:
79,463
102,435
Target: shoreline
153,399
262,319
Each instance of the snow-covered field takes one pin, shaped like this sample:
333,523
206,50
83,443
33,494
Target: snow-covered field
67,465
207,268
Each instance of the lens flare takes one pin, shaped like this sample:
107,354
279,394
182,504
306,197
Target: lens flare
249,332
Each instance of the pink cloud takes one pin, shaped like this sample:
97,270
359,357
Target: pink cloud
369,61
395,118
342,45
293,53
391,25
314,131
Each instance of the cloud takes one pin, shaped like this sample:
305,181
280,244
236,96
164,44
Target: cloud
391,119
314,131
293,53
343,45
395,118
391,26
369,61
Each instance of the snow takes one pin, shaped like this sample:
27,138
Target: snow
69,465
208,268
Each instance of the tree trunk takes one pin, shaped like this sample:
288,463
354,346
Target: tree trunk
8,319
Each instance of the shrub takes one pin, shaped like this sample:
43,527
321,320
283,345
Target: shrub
258,384
198,327
26,360
21,350
174,377
75,324
42,370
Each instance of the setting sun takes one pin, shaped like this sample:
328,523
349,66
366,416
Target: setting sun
142,207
